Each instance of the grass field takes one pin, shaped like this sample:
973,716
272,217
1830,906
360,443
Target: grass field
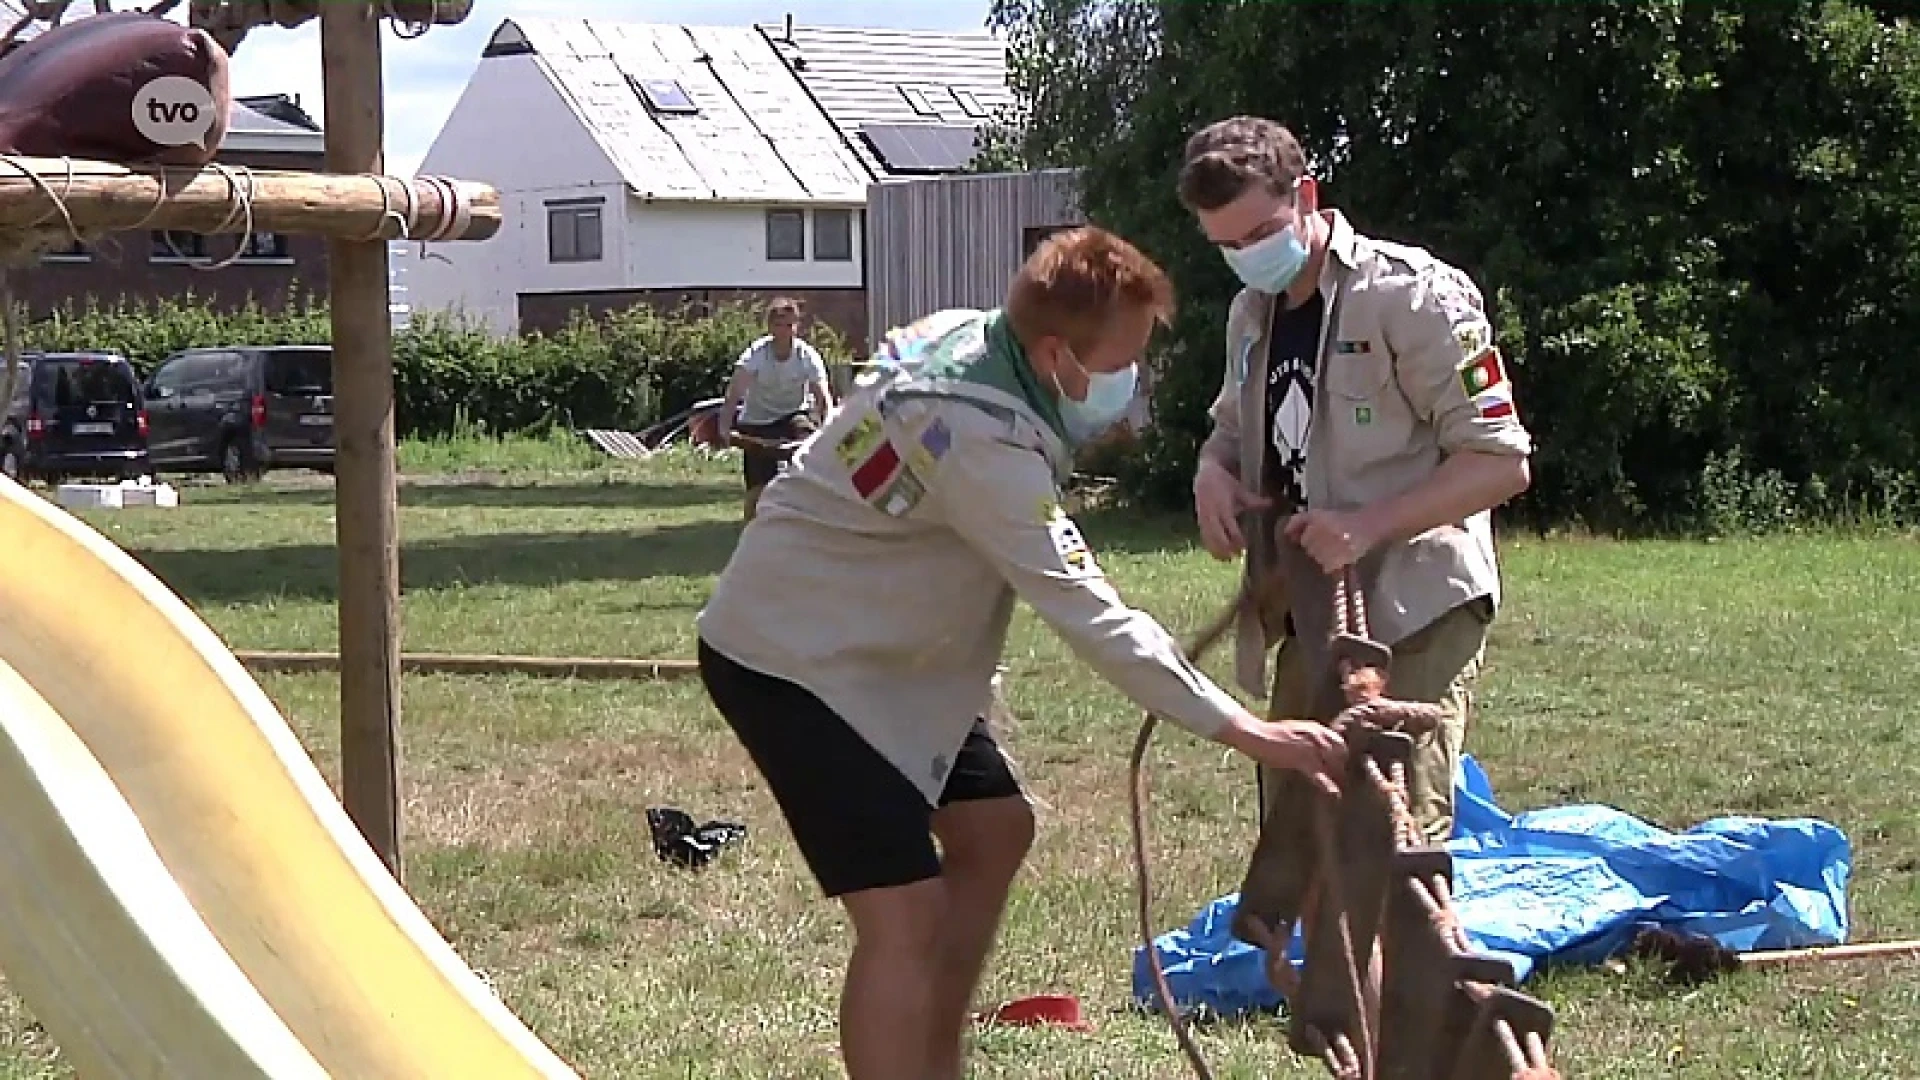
1675,680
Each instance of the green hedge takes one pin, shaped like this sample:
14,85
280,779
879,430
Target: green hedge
625,372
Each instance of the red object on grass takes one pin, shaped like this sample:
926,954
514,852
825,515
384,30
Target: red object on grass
1049,1010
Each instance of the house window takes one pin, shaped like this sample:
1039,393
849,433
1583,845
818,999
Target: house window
917,100
266,247
968,103
178,247
72,251
833,235
1032,236
664,96
786,235
573,231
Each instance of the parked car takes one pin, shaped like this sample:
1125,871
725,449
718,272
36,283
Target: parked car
242,411
74,415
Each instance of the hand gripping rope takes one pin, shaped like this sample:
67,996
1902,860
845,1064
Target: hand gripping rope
1389,988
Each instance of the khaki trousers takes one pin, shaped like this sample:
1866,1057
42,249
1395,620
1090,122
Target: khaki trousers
1438,664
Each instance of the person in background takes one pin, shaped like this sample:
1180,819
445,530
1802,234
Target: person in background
1366,403
852,640
779,393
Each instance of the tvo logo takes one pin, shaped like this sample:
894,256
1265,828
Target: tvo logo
173,110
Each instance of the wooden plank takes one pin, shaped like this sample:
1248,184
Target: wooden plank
552,667
366,496
1833,954
101,197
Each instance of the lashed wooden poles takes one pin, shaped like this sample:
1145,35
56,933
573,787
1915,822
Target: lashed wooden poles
99,197
366,494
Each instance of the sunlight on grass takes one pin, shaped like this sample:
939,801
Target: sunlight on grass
1678,681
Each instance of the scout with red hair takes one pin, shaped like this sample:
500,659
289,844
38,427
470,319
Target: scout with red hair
851,643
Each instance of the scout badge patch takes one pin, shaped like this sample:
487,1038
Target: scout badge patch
878,471
1474,336
1067,541
1484,378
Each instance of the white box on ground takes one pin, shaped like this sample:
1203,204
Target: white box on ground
90,496
161,495
117,496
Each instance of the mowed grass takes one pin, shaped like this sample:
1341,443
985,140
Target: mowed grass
1676,680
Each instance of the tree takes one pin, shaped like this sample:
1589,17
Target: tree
1696,219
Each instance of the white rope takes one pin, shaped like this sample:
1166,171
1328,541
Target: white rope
239,210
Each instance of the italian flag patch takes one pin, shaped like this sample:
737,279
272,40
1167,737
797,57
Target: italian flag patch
1484,378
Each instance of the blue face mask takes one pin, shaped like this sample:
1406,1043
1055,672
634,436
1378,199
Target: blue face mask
1271,263
1109,393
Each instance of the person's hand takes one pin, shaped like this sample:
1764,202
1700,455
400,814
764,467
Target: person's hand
1336,539
1218,501
1313,750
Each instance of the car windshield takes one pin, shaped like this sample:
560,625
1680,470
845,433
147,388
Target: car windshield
300,373
86,381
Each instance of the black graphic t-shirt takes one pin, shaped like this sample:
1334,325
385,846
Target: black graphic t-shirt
1293,360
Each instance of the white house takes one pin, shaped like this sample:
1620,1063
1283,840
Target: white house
670,165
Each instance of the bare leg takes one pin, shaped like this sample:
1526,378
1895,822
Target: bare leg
752,502
886,1007
982,846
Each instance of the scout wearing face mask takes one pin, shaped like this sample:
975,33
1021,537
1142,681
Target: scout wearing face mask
1271,263
1108,395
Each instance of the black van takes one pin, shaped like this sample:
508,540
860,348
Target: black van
74,415
243,410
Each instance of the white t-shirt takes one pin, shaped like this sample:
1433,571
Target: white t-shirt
779,387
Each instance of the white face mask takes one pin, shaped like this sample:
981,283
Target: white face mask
1108,395
1271,263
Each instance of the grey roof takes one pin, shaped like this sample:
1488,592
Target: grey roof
249,129
280,107
244,117
862,76
749,133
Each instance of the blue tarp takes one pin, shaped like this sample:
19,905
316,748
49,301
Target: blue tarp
1573,885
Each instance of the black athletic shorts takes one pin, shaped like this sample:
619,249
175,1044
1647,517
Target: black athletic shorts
758,465
859,823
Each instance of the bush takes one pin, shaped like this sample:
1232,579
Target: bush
626,372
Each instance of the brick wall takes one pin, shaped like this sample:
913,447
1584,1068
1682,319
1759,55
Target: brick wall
843,309
125,266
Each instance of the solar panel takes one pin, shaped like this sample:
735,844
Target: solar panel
921,148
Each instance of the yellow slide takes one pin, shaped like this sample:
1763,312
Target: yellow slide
181,895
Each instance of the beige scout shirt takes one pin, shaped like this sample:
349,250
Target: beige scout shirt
881,570
1408,374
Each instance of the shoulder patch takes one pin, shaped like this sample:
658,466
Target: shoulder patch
929,446
1474,336
1484,378
875,469
1072,548
891,472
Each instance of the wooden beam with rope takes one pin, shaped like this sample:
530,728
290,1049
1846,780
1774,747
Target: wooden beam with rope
81,158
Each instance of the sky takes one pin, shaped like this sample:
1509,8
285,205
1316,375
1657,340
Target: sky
424,76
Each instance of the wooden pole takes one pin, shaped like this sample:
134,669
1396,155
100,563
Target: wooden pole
101,197
1833,954
365,493
542,667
